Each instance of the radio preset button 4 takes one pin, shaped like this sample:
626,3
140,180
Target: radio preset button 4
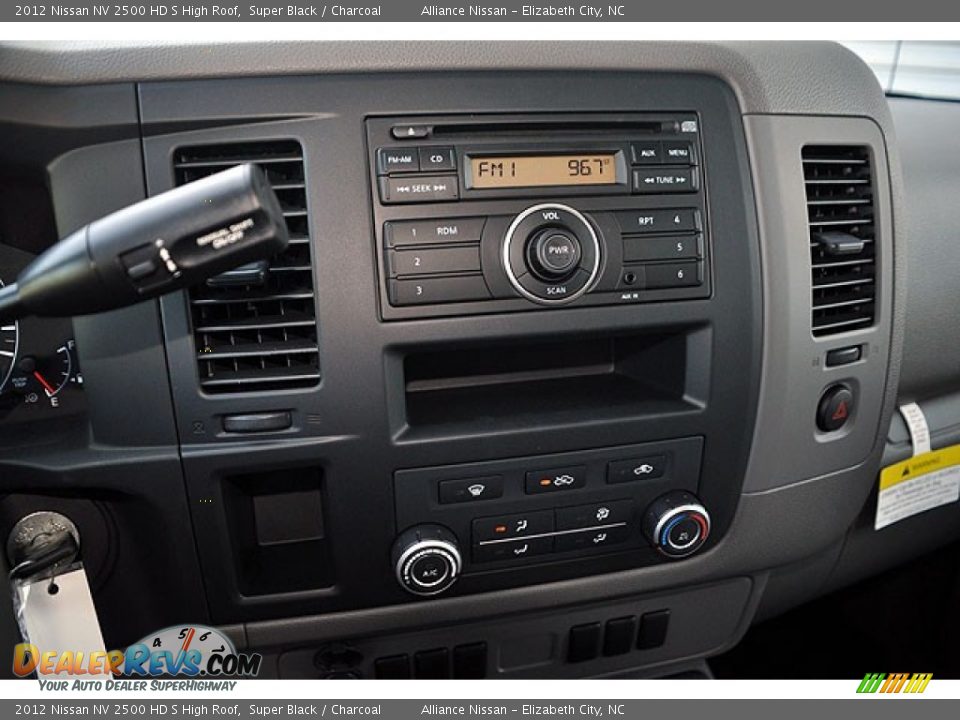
658,221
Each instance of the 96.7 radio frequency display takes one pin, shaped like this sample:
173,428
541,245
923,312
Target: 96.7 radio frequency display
542,170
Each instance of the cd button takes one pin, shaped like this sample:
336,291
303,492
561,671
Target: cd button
437,159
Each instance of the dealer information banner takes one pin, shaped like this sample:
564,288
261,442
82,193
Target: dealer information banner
504,11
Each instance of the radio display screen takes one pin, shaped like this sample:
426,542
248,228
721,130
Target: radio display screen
519,171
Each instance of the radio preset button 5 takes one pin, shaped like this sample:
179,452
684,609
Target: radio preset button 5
655,247
441,230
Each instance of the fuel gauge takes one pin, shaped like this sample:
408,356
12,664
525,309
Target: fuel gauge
39,378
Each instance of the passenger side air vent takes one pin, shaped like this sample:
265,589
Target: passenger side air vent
255,328
842,234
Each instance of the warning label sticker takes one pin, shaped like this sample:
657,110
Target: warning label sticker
917,485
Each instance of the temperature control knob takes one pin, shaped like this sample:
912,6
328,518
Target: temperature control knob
677,524
427,559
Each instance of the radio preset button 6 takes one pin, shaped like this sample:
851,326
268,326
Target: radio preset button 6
438,290
419,188
668,275
658,221
664,181
425,261
441,230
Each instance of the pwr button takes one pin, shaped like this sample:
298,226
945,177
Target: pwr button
836,407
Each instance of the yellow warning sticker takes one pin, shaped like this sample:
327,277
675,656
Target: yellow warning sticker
919,484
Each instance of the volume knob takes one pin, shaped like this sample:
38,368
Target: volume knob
427,559
677,524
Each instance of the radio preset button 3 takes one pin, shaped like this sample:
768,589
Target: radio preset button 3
438,290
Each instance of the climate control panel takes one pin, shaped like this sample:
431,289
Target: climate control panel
639,501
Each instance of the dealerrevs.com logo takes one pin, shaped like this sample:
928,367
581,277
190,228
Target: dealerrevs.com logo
192,651
912,683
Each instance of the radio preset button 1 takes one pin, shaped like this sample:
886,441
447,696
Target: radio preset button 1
470,489
440,230
555,479
664,181
419,188
669,275
504,527
438,290
658,221
425,261
655,247
588,516
437,159
644,468
397,159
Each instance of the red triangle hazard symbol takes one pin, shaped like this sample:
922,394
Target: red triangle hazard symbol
841,412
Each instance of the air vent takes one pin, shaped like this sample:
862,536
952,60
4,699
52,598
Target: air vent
255,328
842,237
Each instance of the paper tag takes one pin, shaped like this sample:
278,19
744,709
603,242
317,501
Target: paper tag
60,621
917,425
919,484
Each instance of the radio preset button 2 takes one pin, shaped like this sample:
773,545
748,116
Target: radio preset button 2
425,261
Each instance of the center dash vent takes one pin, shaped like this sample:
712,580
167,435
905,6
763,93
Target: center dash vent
843,248
255,328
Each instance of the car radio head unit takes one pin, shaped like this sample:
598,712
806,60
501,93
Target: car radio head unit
505,213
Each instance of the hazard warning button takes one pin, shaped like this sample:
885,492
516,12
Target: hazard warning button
836,408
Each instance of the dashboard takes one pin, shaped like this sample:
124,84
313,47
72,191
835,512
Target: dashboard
579,361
